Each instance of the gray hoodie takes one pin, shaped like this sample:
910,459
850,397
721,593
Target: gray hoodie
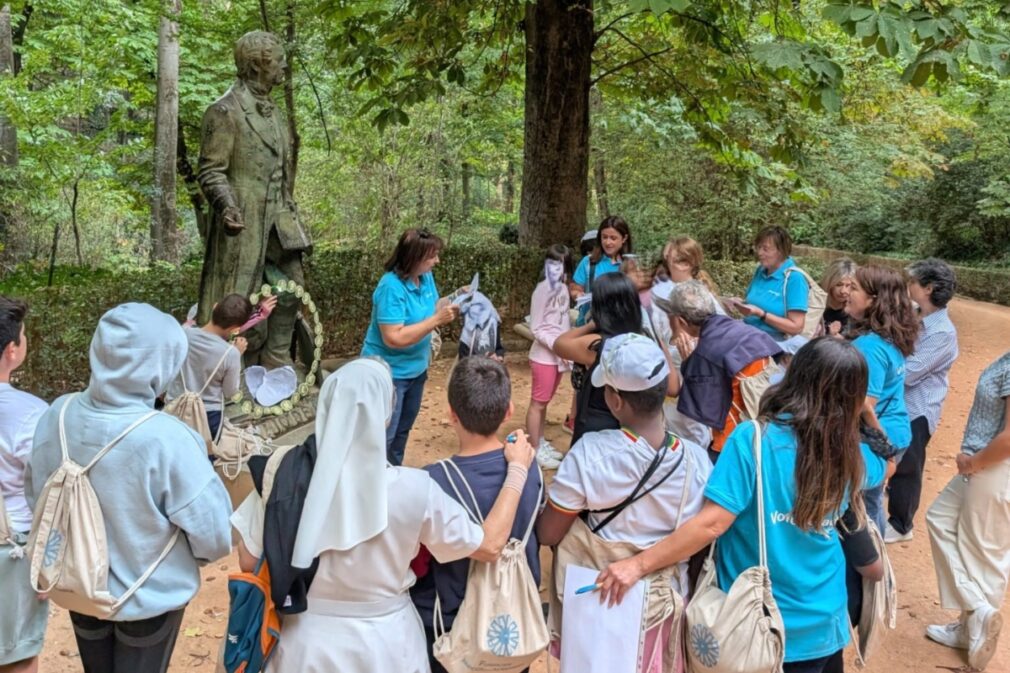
157,478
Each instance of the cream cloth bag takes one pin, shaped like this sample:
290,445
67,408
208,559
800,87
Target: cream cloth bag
500,625
7,533
68,549
740,631
880,604
189,407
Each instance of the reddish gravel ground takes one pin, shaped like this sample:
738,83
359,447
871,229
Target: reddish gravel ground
984,334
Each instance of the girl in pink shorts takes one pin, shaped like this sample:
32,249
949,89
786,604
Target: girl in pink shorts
548,319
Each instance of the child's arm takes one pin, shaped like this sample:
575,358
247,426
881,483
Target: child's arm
260,313
576,345
554,523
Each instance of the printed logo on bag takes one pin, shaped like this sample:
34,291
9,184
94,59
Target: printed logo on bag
52,551
704,645
503,636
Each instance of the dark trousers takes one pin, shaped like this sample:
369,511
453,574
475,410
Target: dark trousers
906,484
408,403
833,663
214,422
143,646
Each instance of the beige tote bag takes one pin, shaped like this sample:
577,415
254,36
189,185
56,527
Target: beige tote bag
68,548
740,631
880,604
500,625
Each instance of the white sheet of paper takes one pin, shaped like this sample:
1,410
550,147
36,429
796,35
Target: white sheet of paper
596,638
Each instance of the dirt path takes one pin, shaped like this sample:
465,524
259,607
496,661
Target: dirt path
984,334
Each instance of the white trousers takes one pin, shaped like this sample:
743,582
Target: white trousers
969,530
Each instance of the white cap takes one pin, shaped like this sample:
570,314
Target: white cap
630,362
590,235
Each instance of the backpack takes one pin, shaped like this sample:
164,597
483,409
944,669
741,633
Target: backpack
254,626
500,625
880,604
68,548
189,407
7,533
752,388
739,631
817,300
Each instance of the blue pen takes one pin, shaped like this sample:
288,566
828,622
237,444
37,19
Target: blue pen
586,589
511,439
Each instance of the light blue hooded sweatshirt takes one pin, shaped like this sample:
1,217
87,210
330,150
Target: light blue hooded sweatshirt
156,478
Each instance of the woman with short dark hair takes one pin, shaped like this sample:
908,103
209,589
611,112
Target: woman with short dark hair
405,311
813,468
776,299
931,285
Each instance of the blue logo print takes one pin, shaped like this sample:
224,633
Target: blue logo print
53,545
503,636
704,646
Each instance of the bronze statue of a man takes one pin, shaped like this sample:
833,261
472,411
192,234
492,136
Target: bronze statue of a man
245,171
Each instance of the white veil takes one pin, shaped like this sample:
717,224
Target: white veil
346,502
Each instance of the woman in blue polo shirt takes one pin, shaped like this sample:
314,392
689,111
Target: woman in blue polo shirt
884,328
405,311
812,460
613,241
776,299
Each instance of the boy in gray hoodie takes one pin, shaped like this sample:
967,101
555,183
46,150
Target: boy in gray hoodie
155,480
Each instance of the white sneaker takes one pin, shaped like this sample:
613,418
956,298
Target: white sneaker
546,459
984,625
549,448
891,535
952,635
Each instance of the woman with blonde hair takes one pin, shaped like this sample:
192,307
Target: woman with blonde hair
837,281
682,258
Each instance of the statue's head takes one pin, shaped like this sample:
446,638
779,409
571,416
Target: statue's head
259,57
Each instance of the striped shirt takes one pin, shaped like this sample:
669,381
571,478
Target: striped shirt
926,369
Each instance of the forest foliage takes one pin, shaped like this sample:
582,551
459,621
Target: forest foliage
867,125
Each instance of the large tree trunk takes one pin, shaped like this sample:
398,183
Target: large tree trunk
559,46
166,137
8,133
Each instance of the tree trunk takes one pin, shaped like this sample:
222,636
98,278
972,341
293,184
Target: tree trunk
467,170
599,157
289,89
166,137
8,133
559,46
73,221
509,188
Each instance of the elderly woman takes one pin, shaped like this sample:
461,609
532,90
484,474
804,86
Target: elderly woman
405,311
717,353
969,524
776,299
363,521
813,468
931,285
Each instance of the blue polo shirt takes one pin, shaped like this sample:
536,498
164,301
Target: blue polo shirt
807,567
398,301
770,292
887,384
581,276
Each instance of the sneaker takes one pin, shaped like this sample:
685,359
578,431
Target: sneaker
569,425
952,635
891,535
546,460
984,625
548,448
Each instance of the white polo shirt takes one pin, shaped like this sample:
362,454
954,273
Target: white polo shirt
603,469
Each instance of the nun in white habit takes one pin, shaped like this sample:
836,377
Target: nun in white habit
365,520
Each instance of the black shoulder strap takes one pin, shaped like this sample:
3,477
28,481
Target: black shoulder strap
592,273
638,493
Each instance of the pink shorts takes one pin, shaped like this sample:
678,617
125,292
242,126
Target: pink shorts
545,381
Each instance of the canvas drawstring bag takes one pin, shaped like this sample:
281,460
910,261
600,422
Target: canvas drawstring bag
68,549
500,625
189,407
880,604
740,631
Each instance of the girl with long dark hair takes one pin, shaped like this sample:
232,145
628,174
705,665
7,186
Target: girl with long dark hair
814,467
613,241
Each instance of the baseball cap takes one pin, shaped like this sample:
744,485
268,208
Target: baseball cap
590,235
630,362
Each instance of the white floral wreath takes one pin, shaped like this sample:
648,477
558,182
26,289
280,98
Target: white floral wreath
250,406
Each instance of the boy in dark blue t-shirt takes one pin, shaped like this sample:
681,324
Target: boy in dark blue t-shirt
480,400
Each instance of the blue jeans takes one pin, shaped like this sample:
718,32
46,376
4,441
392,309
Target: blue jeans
408,404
